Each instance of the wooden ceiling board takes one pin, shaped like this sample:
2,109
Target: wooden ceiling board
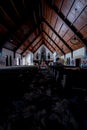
85,38
36,41
11,10
76,10
19,18
53,19
6,17
3,30
63,30
44,8
57,40
36,48
82,20
36,31
62,46
73,46
50,33
51,42
49,47
68,35
54,36
57,46
58,24
45,28
24,29
84,31
19,7
49,14
66,6
39,39
19,35
54,45
32,36
58,3
9,46
26,43
45,36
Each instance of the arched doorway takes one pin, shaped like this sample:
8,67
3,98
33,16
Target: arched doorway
10,61
7,60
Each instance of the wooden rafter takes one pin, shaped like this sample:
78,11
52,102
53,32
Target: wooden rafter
68,23
31,43
44,20
49,44
36,44
37,48
27,36
54,42
15,8
48,47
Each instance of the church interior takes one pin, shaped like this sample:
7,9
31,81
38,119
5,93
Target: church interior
43,64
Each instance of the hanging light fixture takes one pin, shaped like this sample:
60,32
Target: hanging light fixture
74,40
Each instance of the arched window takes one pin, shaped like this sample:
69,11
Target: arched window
43,54
37,56
48,55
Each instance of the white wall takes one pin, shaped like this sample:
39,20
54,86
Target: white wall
55,56
5,53
17,58
79,53
76,54
23,61
29,59
15,61
62,57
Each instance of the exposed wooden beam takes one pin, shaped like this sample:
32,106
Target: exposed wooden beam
36,44
37,48
48,47
40,10
68,23
70,8
7,17
80,13
50,44
54,42
15,9
44,20
55,26
27,36
31,43
41,45
61,5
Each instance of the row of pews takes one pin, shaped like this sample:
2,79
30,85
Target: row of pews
70,77
73,82
14,82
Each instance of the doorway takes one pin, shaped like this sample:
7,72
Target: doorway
78,62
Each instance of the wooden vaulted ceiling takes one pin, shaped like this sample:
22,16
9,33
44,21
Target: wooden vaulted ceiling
61,25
